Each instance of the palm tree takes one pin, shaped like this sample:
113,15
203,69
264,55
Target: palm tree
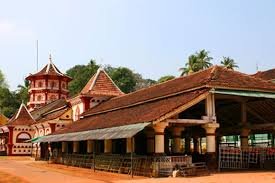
196,62
190,66
204,60
229,63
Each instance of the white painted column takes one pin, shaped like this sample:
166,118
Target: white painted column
64,147
177,139
129,145
75,146
108,146
210,129
159,137
90,146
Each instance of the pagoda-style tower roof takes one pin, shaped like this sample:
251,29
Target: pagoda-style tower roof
48,70
21,117
101,84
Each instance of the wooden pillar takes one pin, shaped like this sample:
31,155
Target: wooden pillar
108,146
245,131
90,146
75,146
176,133
244,137
150,144
159,137
64,147
130,145
196,144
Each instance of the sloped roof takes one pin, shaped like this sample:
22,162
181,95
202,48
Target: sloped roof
151,103
214,77
266,75
3,119
146,112
50,69
21,117
101,84
50,111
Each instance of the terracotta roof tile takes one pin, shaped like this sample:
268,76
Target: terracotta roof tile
51,70
266,75
146,112
101,84
214,77
51,111
21,117
151,103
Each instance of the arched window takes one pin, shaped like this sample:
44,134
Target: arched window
77,113
22,137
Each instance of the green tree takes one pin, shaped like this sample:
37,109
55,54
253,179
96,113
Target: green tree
22,92
196,62
123,77
9,103
143,83
3,82
229,63
165,78
81,75
204,60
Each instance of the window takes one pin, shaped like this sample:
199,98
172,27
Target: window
22,137
40,84
39,98
53,84
52,97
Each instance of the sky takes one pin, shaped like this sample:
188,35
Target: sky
152,37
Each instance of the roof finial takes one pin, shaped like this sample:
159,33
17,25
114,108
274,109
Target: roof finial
50,58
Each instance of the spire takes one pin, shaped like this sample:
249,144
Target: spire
50,58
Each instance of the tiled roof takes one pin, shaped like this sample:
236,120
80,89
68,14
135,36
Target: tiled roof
146,112
101,84
266,75
21,117
50,111
214,77
51,70
3,119
151,103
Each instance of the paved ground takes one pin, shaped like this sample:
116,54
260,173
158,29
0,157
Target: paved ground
29,171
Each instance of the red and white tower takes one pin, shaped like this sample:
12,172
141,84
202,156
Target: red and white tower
47,85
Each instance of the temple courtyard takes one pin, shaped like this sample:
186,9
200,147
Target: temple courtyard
25,170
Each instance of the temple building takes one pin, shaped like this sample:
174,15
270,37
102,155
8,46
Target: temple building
16,132
98,89
169,121
47,85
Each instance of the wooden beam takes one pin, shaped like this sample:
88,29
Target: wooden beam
188,121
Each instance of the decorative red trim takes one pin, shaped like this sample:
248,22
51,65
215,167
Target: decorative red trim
10,144
52,126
